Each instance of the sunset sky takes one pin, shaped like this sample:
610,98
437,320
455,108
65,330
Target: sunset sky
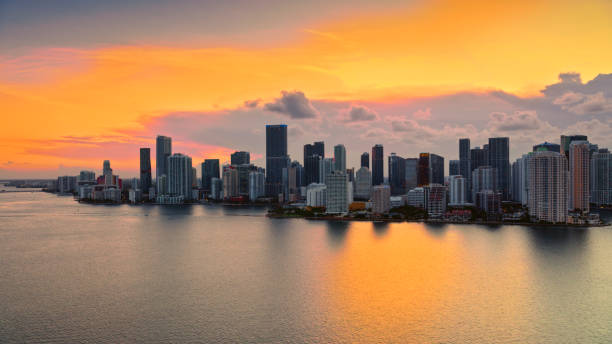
83,81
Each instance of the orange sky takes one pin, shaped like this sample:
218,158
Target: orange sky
438,47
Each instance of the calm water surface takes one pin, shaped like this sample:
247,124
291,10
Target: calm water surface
73,272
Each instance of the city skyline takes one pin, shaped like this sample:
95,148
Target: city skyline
343,72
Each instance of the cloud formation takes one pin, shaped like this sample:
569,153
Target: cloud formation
293,104
358,113
518,121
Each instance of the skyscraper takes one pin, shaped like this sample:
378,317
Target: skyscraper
365,160
458,192
107,172
565,143
363,184
547,147
601,179
464,158
325,167
381,195
478,157
579,176
210,170
313,154
163,149
499,158
179,176
547,200
276,158
145,170
397,174
336,193
454,167
411,173
240,158
484,178
430,169
339,157
377,165
231,182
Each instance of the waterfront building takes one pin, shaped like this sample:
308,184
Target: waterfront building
416,197
163,147
601,178
243,178
548,186
435,200
336,192
66,184
489,201
240,158
465,165
231,182
315,195
377,165
499,158
579,168
180,175
397,174
194,178
210,170
520,178
107,172
365,160
257,180
458,190
484,178
339,158
276,158
381,195
454,167
363,184
216,188
135,196
478,157
146,179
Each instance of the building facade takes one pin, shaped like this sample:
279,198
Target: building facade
276,158
377,165
548,186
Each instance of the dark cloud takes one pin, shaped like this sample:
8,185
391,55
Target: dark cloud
359,113
572,82
293,104
251,103
592,104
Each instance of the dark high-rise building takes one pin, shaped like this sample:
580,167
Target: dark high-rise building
565,143
276,158
365,160
430,169
478,157
454,167
377,165
210,170
547,147
163,150
397,174
499,158
145,170
464,158
411,173
240,158
313,154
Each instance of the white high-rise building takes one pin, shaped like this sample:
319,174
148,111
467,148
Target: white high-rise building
339,158
381,199
458,190
579,167
216,188
325,167
231,182
416,197
483,178
336,196
256,184
363,183
315,195
548,178
179,176
520,178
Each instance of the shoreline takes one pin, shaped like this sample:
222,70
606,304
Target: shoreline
491,223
